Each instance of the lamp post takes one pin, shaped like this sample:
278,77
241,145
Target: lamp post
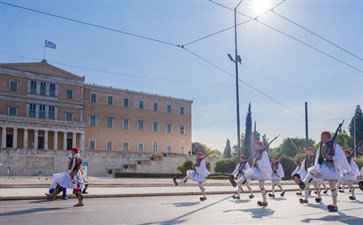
236,60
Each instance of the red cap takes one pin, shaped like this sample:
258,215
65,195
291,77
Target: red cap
326,133
309,149
347,151
75,149
242,157
200,153
259,142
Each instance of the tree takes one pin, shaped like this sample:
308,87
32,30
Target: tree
288,148
248,133
358,132
198,147
225,166
227,153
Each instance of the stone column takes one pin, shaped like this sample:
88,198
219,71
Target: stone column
65,140
25,141
15,137
55,147
35,139
74,139
81,142
3,138
46,140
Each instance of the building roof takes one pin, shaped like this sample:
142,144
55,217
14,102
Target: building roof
42,68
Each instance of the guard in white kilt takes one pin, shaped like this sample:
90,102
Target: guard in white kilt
72,179
276,177
309,163
295,173
329,157
199,173
260,170
360,183
238,173
347,178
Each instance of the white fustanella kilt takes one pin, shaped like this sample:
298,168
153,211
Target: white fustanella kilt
327,172
275,176
257,174
64,180
194,176
303,174
348,177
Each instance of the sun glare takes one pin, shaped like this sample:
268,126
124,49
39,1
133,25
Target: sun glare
260,6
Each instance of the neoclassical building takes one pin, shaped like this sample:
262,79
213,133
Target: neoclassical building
45,107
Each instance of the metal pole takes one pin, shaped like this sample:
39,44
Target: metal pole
237,89
306,126
355,139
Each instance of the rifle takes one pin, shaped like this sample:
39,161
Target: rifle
263,149
329,144
199,160
352,153
275,165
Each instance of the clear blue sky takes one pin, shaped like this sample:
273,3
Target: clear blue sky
281,67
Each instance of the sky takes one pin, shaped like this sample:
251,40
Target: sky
283,65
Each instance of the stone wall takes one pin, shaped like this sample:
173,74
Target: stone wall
28,162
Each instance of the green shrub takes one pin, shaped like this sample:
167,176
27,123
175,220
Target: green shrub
185,166
289,166
225,166
208,166
359,162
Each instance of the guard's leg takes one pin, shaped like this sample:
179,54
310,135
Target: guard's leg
250,190
79,196
325,188
64,195
281,189
239,188
261,184
182,181
200,185
332,185
272,195
352,190
55,192
318,191
84,191
307,190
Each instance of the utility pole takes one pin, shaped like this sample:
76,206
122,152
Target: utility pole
306,126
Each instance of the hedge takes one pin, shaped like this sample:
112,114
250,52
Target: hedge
225,166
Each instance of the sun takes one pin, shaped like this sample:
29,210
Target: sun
260,6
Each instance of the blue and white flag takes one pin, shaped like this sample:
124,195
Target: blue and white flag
49,44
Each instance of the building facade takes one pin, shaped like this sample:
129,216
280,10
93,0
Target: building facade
45,107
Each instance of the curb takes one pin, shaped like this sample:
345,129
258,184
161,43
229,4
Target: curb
14,198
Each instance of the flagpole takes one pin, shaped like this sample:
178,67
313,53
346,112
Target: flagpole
44,49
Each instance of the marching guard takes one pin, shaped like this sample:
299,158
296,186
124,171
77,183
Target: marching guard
329,156
238,173
295,173
71,179
276,176
260,170
199,173
347,178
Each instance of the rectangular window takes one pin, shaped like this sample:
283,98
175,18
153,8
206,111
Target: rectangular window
181,110
140,147
109,122
181,149
169,108
169,148
181,130
155,148
141,104
69,94
125,123
156,106
125,146
43,88
93,97
155,126
42,111
52,89
32,110
92,144
33,87
12,111
109,145
13,86
69,116
126,102
140,125
51,113
92,121
169,128
110,100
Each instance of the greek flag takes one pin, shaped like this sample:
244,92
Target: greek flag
49,44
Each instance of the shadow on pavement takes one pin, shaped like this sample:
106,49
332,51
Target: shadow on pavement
185,204
341,217
256,212
180,220
28,211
